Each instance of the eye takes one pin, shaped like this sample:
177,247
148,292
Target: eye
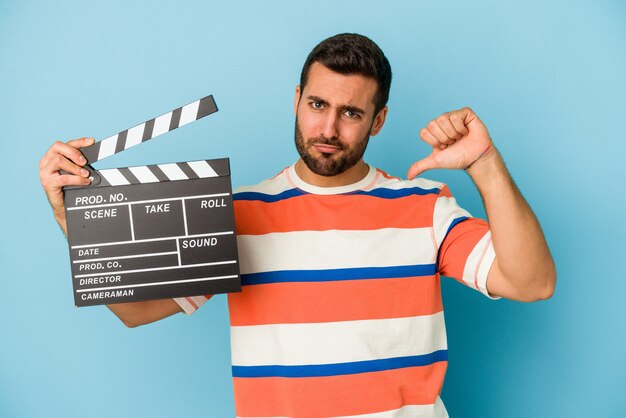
351,114
317,105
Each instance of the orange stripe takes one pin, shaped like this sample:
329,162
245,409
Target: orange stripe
388,176
339,395
445,192
345,212
280,303
458,245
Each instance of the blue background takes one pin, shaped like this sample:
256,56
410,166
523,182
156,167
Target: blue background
547,79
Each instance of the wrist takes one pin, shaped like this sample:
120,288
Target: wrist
488,170
61,220
485,153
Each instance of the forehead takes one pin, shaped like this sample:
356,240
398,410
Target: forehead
340,89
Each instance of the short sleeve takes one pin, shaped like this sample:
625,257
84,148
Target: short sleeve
191,304
465,250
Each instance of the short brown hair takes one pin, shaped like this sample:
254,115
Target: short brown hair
351,53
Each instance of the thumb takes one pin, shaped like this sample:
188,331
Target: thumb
420,166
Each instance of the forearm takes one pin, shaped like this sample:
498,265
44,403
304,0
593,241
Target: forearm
524,269
59,216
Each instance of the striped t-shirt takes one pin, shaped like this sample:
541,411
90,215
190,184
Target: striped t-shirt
340,312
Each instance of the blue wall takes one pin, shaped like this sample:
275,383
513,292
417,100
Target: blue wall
548,79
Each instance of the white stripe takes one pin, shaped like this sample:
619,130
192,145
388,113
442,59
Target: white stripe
337,342
189,113
134,135
437,410
363,184
149,201
202,169
105,244
143,174
185,218
107,147
188,308
422,183
271,187
173,171
114,176
123,257
202,279
483,270
131,223
303,250
198,300
471,263
161,124
105,273
478,264
281,184
446,211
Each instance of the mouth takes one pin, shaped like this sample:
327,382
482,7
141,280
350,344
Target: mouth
326,148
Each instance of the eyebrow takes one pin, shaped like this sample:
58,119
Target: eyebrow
354,109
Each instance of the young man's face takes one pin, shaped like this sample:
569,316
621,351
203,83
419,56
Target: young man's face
334,120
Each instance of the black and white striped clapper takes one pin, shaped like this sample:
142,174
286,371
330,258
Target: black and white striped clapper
153,231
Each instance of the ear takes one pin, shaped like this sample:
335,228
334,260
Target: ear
296,100
379,121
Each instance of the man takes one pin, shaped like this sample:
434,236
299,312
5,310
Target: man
340,312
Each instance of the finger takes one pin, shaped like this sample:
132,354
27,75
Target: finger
420,166
438,133
446,126
69,150
54,183
61,149
458,122
60,162
81,142
430,139
467,114
53,186
45,160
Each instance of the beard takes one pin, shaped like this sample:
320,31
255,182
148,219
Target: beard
329,164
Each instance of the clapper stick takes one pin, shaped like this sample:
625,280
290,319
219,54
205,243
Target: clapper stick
149,129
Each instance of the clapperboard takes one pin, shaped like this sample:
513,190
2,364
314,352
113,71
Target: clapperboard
154,231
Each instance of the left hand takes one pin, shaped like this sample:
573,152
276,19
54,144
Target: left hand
459,138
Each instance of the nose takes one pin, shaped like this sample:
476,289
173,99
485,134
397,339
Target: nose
330,128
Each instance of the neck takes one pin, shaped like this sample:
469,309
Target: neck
350,176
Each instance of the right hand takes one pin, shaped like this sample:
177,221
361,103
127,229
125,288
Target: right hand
67,157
